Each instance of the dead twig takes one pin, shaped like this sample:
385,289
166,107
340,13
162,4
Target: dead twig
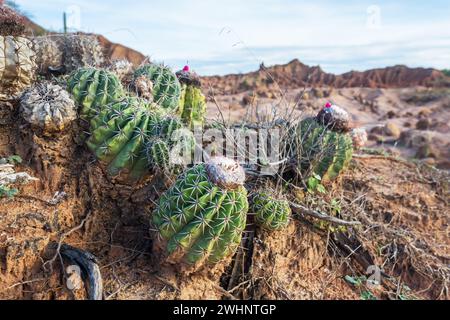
299,209
60,243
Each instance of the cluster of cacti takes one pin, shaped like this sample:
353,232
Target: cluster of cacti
271,213
48,107
201,218
192,107
160,84
131,136
317,150
94,88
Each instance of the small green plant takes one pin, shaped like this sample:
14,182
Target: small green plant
14,159
7,192
446,72
406,293
314,183
359,282
367,295
335,205
132,137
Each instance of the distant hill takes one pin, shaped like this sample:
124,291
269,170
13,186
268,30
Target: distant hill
296,74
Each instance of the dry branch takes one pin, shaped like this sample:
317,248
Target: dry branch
299,209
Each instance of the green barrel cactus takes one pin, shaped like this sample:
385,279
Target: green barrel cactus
94,88
192,108
270,213
317,150
165,87
158,153
201,218
167,146
119,136
132,136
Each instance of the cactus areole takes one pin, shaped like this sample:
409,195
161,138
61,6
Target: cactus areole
334,118
201,218
185,76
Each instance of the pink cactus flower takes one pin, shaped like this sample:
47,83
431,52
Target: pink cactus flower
186,69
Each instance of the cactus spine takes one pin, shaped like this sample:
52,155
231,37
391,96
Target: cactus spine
165,88
94,88
270,213
201,218
315,149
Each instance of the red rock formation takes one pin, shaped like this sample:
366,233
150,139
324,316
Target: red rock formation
296,74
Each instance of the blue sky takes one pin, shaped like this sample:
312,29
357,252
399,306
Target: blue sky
221,37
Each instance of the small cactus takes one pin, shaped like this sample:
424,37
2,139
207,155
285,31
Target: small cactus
192,108
94,88
270,213
167,148
17,66
317,150
63,54
82,50
165,88
48,53
48,107
201,218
